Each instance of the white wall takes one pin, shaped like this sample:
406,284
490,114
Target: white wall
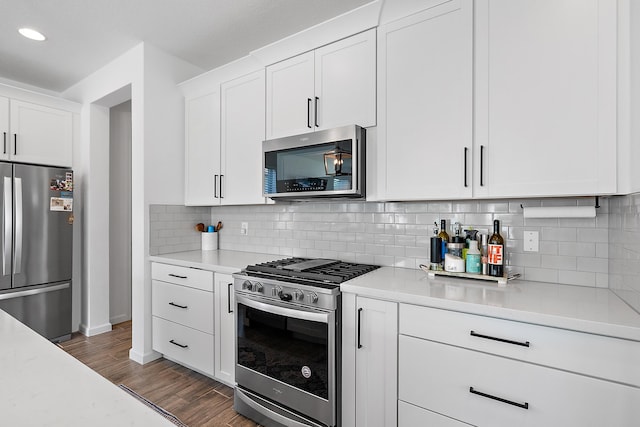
157,124
120,213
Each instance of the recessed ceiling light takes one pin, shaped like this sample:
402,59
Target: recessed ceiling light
32,34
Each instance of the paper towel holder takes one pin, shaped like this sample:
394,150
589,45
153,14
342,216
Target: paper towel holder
561,211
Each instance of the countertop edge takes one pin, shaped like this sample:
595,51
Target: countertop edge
604,328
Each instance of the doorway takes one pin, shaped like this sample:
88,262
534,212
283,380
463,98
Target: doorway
120,213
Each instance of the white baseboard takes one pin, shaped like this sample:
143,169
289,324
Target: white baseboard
144,358
97,330
119,319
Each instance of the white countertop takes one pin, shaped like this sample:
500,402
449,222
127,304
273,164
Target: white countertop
41,385
586,309
221,261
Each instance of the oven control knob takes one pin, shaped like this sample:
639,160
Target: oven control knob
276,291
247,285
313,297
298,294
257,287
285,297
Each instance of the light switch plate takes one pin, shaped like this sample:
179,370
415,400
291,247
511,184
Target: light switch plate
531,241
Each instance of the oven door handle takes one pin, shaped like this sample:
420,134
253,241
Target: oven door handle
297,313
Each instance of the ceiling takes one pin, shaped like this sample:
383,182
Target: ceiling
84,35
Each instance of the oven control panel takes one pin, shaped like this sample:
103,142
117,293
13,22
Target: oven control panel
288,292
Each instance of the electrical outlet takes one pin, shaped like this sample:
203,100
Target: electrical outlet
531,241
244,228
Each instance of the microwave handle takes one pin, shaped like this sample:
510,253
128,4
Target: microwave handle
298,313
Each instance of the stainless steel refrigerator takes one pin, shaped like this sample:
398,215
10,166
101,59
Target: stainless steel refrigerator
36,237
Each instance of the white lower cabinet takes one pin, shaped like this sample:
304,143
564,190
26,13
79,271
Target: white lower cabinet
494,372
182,310
369,346
225,360
487,390
410,415
185,345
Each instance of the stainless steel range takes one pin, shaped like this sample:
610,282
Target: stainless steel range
288,340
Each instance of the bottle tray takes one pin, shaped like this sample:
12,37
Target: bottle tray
501,281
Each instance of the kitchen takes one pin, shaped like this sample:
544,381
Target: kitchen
404,197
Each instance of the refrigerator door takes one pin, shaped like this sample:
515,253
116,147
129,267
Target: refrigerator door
6,196
43,225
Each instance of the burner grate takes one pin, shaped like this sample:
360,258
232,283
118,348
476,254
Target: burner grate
322,271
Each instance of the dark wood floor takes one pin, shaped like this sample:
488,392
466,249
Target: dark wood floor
194,398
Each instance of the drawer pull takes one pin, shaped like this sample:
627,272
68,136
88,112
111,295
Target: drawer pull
178,344
178,305
524,405
524,344
178,276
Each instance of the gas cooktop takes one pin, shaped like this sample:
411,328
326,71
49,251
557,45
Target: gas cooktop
313,271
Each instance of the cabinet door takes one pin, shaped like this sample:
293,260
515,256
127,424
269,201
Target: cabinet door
290,98
225,361
425,103
345,82
242,125
202,150
546,100
376,356
4,127
40,134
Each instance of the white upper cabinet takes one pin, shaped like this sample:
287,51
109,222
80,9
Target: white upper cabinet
290,96
242,126
4,126
34,133
202,150
425,88
498,98
546,97
329,87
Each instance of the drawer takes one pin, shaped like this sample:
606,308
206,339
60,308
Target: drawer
180,304
186,346
192,277
411,416
439,377
596,355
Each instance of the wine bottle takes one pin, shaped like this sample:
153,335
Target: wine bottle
496,252
445,238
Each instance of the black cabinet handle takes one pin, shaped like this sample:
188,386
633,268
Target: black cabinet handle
5,143
215,186
359,321
482,166
178,344
488,337
179,277
178,305
308,112
524,405
15,144
466,150
229,290
315,112
221,196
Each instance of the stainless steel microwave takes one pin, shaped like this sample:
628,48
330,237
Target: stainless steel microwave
328,163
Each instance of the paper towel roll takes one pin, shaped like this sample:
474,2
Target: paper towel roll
559,212
209,241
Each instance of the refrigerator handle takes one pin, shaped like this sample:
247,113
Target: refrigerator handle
7,197
17,260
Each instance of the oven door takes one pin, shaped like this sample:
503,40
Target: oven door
286,353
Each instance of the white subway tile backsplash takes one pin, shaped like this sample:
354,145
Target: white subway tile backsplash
398,233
